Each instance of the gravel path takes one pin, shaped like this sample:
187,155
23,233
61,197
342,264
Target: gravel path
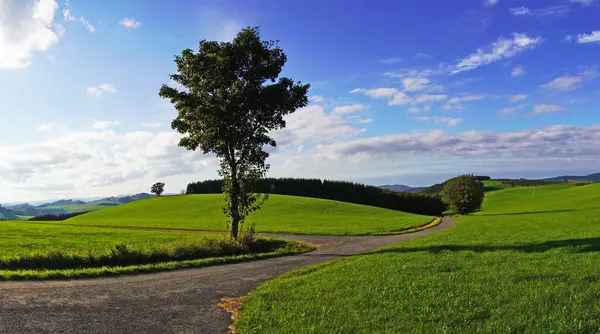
182,301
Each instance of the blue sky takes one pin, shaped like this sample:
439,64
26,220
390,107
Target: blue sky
405,92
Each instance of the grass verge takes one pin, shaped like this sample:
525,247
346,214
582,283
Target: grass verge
291,248
525,264
31,250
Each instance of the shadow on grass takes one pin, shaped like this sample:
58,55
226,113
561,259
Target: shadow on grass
579,246
525,213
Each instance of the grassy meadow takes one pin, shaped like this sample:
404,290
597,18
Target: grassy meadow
280,214
525,264
33,250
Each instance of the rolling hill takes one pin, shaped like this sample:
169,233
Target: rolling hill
401,187
591,178
6,214
285,214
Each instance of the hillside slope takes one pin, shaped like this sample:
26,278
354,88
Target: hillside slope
286,214
6,214
551,198
527,263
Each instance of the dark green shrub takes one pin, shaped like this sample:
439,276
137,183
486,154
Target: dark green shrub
463,194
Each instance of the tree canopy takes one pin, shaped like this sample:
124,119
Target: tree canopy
231,98
463,194
158,188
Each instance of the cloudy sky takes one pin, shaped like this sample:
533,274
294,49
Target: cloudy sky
407,92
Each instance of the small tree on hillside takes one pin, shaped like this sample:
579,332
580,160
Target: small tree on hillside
463,194
232,99
158,188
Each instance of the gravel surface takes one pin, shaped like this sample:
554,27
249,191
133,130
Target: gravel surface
182,301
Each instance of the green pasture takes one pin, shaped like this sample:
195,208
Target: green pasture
527,263
280,214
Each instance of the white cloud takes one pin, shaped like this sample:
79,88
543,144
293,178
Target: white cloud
490,2
399,98
467,98
26,28
415,84
104,125
564,83
381,92
152,125
313,125
317,98
99,90
414,110
511,110
391,60
551,142
130,23
49,127
429,98
519,97
422,55
518,71
414,73
91,162
444,120
417,110
349,109
69,17
393,95
571,82
503,48
520,11
545,12
593,37
365,120
547,108
456,107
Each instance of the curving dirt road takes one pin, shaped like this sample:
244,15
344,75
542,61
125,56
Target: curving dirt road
182,301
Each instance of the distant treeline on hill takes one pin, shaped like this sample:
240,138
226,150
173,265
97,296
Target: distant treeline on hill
59,217
438,187
524,182
337,190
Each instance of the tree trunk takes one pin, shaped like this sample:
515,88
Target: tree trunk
233,196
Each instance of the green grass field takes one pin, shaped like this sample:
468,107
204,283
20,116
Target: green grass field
280,214
525,264
492,185
33,250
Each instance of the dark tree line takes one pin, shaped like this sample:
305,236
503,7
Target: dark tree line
524,182
58,217
336,190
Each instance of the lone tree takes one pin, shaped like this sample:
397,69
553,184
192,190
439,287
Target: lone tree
232,98
463,194
158,188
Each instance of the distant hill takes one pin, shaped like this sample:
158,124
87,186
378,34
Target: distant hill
123,199
62,202
66,206
6,214
401,187
591,178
